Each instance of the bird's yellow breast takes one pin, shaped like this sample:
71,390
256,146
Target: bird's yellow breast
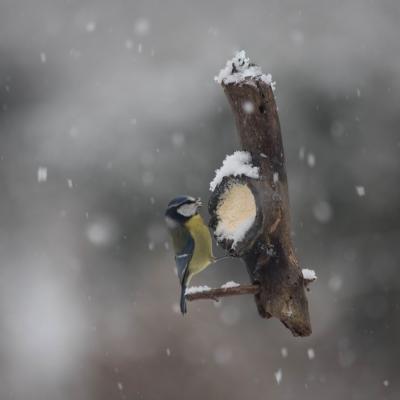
202,255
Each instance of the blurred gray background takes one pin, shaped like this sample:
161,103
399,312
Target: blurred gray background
107,110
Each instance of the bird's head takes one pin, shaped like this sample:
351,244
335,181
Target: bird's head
181,209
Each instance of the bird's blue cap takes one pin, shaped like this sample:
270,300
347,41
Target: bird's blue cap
177,201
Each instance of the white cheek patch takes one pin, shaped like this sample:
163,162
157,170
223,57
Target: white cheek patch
187,210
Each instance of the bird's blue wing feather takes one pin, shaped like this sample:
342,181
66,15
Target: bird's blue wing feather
183,257
184,248
182,265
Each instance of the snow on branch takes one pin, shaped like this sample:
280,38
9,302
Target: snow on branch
230,289
236,164
309,275
230,284
239,68
196,289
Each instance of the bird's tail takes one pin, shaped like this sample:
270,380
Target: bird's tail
183,300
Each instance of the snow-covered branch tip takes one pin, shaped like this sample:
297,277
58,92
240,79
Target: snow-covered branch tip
240,70
309,276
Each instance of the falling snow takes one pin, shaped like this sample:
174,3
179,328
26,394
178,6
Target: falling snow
223,354
248,107
335,283
322,211
175,308
302,153
142,26
101,232
278,376
147,178
178,139
42,174
128,44
360,191
311,160
230,315
91,26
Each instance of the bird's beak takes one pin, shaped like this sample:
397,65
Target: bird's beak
198,202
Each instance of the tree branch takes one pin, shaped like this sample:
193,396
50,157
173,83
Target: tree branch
216,293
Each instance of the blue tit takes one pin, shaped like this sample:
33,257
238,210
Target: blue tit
191,240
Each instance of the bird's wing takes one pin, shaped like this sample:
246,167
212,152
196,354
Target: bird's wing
184,247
